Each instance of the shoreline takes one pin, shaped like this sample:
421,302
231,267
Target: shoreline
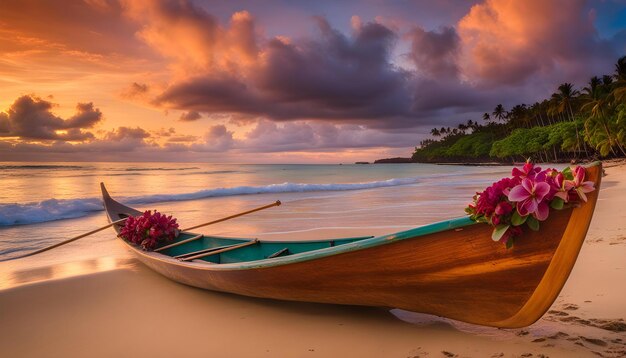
122,308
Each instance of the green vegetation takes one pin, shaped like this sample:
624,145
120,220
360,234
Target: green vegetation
571,124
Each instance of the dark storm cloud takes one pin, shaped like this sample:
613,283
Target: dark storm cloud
330,77
30,117
211,94
435,53
334,71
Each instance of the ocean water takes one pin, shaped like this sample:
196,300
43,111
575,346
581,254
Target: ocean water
44,203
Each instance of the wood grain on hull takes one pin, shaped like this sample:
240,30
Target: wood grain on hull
460,274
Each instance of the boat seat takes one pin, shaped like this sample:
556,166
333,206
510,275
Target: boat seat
281,252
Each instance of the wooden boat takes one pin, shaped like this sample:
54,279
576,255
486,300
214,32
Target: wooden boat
450,268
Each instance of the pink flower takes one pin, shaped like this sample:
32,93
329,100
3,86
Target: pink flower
564,188
503,208
582,187
531,198
488,200
550,177
148,229
571,190
530,191
528,171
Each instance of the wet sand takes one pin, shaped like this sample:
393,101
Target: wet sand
123,309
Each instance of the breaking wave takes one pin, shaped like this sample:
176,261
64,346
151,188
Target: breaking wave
57,209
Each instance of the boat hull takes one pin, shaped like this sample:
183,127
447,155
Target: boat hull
459,273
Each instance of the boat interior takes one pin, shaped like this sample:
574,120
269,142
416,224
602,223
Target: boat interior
240,252
222,250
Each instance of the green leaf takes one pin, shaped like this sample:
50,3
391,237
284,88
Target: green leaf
499,231
557,203
532,223
517,219
509,242
567,173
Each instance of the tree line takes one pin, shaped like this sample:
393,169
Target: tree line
573,124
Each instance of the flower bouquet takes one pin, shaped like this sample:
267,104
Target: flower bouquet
149,229
526,198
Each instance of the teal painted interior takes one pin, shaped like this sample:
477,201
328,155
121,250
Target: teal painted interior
262,250
258,255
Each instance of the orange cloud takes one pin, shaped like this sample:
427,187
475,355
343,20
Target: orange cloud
193,37
508,41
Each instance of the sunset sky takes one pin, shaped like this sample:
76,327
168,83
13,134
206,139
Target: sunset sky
280,81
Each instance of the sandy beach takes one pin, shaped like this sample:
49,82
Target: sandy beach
120,308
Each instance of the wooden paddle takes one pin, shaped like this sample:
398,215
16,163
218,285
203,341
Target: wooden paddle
277,203
70,240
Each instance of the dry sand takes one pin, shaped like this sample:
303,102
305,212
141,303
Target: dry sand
129,311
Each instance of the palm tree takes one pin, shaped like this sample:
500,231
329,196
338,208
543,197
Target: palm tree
598,105
435,132
517,116
619,91
563,99
486,117
619,98
500,113
535,112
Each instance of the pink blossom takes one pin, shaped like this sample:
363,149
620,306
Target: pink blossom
564,188
550,177
528,171
148,229
488,200
582,187
530,192
531,198
572,190
503,208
